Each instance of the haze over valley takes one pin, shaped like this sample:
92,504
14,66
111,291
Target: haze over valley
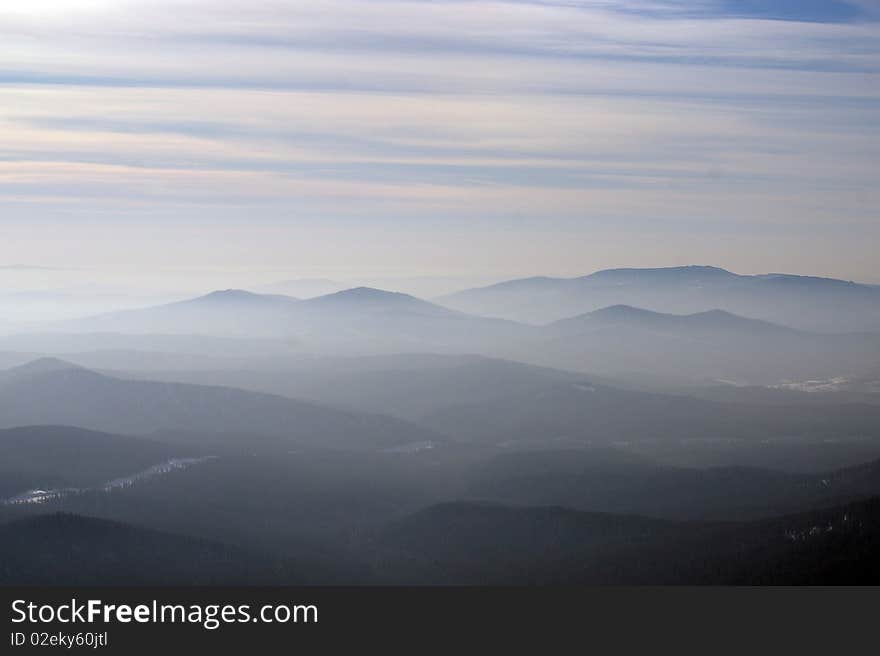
359,423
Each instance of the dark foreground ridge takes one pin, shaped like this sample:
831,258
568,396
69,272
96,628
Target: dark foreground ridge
470,544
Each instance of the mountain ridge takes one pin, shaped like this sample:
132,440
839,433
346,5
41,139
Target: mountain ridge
84,398
715,317
804,302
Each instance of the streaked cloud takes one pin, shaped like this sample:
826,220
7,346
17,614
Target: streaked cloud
566,120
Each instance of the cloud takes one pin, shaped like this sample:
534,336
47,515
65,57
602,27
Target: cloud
376,114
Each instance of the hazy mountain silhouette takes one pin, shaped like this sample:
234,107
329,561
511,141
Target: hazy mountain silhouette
403,385
52,392
371,300
616,341
184,346
361,320
463,543
467,543
806,302
229,312
47,365
710,320
367,321
62,549
706,347
291,501
839,391
609,480
679,425
54,457
584,412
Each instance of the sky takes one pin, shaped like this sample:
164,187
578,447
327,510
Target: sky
387,138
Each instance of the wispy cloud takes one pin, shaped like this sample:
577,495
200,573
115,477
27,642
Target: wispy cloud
389,115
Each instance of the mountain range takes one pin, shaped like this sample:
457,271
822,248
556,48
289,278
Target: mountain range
682,425
489,544
710,345
618,481
230,313
59,457
586,413
804,302
407,385
51,391
65,549
359,320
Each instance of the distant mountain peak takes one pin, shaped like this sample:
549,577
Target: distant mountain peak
371,300
236,295
794,279
230,293
621,311
368,292
45,365
808,303
689,270
367,295
629,315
